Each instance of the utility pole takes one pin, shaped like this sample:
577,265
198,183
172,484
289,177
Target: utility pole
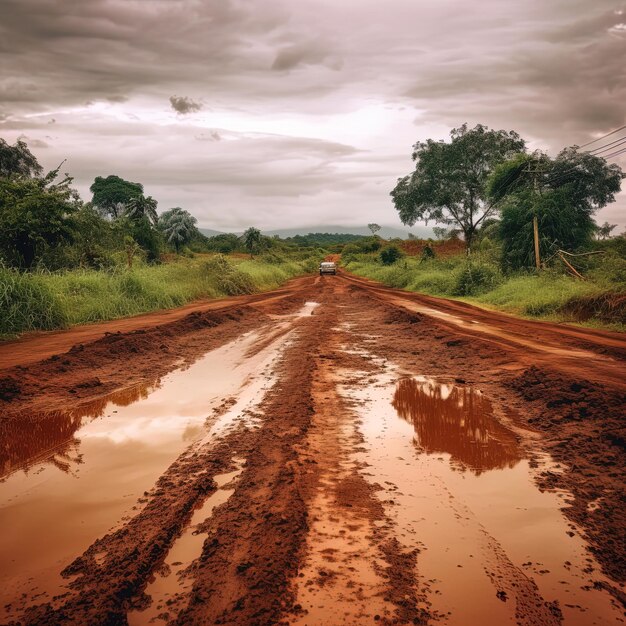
535,172
536,237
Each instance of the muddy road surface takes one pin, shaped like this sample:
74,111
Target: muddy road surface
335,452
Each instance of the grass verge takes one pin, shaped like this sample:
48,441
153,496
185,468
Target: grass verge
599,301
48,301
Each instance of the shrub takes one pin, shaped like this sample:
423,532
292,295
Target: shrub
475,278
428,253
390,255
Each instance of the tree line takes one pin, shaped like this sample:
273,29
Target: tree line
44,222
487,178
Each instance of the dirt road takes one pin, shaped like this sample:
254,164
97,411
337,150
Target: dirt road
336,452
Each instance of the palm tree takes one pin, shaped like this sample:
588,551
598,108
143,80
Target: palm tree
252,240
178,226
142,206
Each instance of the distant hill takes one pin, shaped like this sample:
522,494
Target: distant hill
386,232
207,232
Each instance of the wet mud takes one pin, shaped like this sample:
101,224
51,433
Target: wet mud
328,455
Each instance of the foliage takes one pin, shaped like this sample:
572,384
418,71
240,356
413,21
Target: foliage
252,240
142,207
474,278
551,295
562,193
35,215
390,254
18,160
449,183
53,300
27,303
604,231
148,238
374,228
322,239
178,226
440,232
112,194
224,243
428,253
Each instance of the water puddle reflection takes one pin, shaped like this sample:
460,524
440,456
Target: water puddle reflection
110,452
458,421
493,548
40,438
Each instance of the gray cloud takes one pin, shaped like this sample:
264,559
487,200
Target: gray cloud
184,105
314,104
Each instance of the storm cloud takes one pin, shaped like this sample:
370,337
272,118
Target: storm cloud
184,105
312,107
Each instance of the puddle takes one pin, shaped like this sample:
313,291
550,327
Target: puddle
456,487
458,421
169,583
85,469
39,439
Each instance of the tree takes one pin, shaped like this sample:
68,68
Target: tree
142,207
448,185
35,215
224,243
390,254
604,231
112,194
561,193
252,240
374,228
18,160
131,248
440,232
178,226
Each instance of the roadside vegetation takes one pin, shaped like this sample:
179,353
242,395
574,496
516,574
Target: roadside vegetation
64,261
516,229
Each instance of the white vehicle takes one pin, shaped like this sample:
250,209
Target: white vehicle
328,267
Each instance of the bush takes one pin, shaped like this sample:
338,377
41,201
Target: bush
390,255
473,279
428,253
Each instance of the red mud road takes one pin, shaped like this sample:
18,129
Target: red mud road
336,452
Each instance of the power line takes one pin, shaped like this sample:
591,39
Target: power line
610,156
603,136
608,146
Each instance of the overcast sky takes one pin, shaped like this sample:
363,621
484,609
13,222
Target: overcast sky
287,113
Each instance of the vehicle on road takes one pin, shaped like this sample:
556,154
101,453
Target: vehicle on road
328,267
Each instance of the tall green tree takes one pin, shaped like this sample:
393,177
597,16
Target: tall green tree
142,207
112,194
562,193
178,227
252,239
35,214
18,160
374,228
448,184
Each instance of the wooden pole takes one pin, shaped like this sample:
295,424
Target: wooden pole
536,237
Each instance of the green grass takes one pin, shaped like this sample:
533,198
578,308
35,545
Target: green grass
552,295
57,300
